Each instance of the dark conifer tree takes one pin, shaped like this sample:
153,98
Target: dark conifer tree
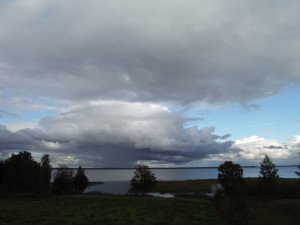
46,170
1,175
80,180
268,171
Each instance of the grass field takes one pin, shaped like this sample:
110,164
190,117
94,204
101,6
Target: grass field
279,209
106,209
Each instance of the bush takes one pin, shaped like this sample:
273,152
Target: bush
230,176
143,180
63,181
66,183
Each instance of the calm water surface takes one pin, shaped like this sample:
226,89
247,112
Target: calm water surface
109,175
117,181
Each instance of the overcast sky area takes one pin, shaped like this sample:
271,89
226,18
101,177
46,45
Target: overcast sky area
109,83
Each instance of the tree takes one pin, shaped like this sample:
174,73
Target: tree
230,174
268,171
143,181
21,173
46,170
80,180
1,174
63,180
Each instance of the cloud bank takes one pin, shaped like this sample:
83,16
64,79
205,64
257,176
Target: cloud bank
118,134
107,69
114,133
201,51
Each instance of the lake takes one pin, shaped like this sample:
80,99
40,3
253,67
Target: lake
109,175
117,181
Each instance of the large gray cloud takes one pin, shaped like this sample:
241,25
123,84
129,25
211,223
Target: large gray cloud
98,56
11,142
114,133
213,51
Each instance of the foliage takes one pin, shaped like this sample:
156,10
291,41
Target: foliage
46,170
80,180
21,173
103,209
268,171
230,175
1,174
143,181
63,181
261,204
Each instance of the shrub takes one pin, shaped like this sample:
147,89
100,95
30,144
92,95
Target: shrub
143,181
63,181
230,175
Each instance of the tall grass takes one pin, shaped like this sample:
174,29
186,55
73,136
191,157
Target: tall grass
259,204
105,209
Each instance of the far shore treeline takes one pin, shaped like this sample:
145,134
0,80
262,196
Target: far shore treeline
22,174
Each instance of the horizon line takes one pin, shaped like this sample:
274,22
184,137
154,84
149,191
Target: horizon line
130,168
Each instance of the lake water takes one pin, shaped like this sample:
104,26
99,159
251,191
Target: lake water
110,175
117,181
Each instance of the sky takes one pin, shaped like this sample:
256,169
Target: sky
168,83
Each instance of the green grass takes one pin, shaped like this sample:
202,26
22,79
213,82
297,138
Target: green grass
105,209
275,212
275,204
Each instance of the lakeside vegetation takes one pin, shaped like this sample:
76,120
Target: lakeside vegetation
267,199
119,209
21,173
25,197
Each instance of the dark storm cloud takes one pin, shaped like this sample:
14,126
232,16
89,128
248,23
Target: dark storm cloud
14,140
114,133
98,58
212,51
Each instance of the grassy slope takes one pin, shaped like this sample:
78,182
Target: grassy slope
275,212
101,209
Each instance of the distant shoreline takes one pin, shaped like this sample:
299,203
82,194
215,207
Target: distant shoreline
160,168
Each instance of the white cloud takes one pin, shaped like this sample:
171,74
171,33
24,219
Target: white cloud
256,147
19,125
